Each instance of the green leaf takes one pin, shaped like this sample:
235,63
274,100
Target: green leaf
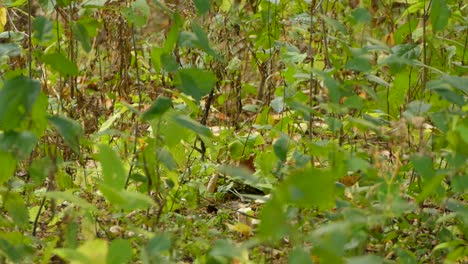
112,168
39,115
225,248
21,144
459,83
170,63
40,169
137,13
82,35
7,166
361,15
334,23
309,188
9,50
202,6
439,15
360,64
196,127
42,29
423,165
173,34
159,107
10,251
156,53
166,158
123,199
278,104
195,82
17,99
202,40
94,250
332,85
280,148
299,256
369,259
120,252
70,130
16,208
61,64
273,222
444,90
158,244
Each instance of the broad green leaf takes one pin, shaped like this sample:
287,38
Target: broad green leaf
170,63
402,55
112,167
72,255
354,102
17,99
156,53
360,64
10,251
368,259
332,85
42,29
21,144
70,130
310,188
423,165
166,158
173,34
95,251
334,124
39,115
334,23
7,166
159,107
202,40
196,127
9,50
82,35
273,222
439,15
120,252
280,148
450,96
158,244
459,83
16,208
123,199
202,6
299,256
40,169
361,15
72,198
459,183
61,64
430,187
195,82
138,13
225,248
278,104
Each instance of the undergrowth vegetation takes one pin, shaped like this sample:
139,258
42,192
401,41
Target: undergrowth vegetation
233,131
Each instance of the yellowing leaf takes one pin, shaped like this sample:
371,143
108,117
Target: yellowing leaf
241,228
3,18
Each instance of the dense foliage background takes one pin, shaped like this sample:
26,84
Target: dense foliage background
233,131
